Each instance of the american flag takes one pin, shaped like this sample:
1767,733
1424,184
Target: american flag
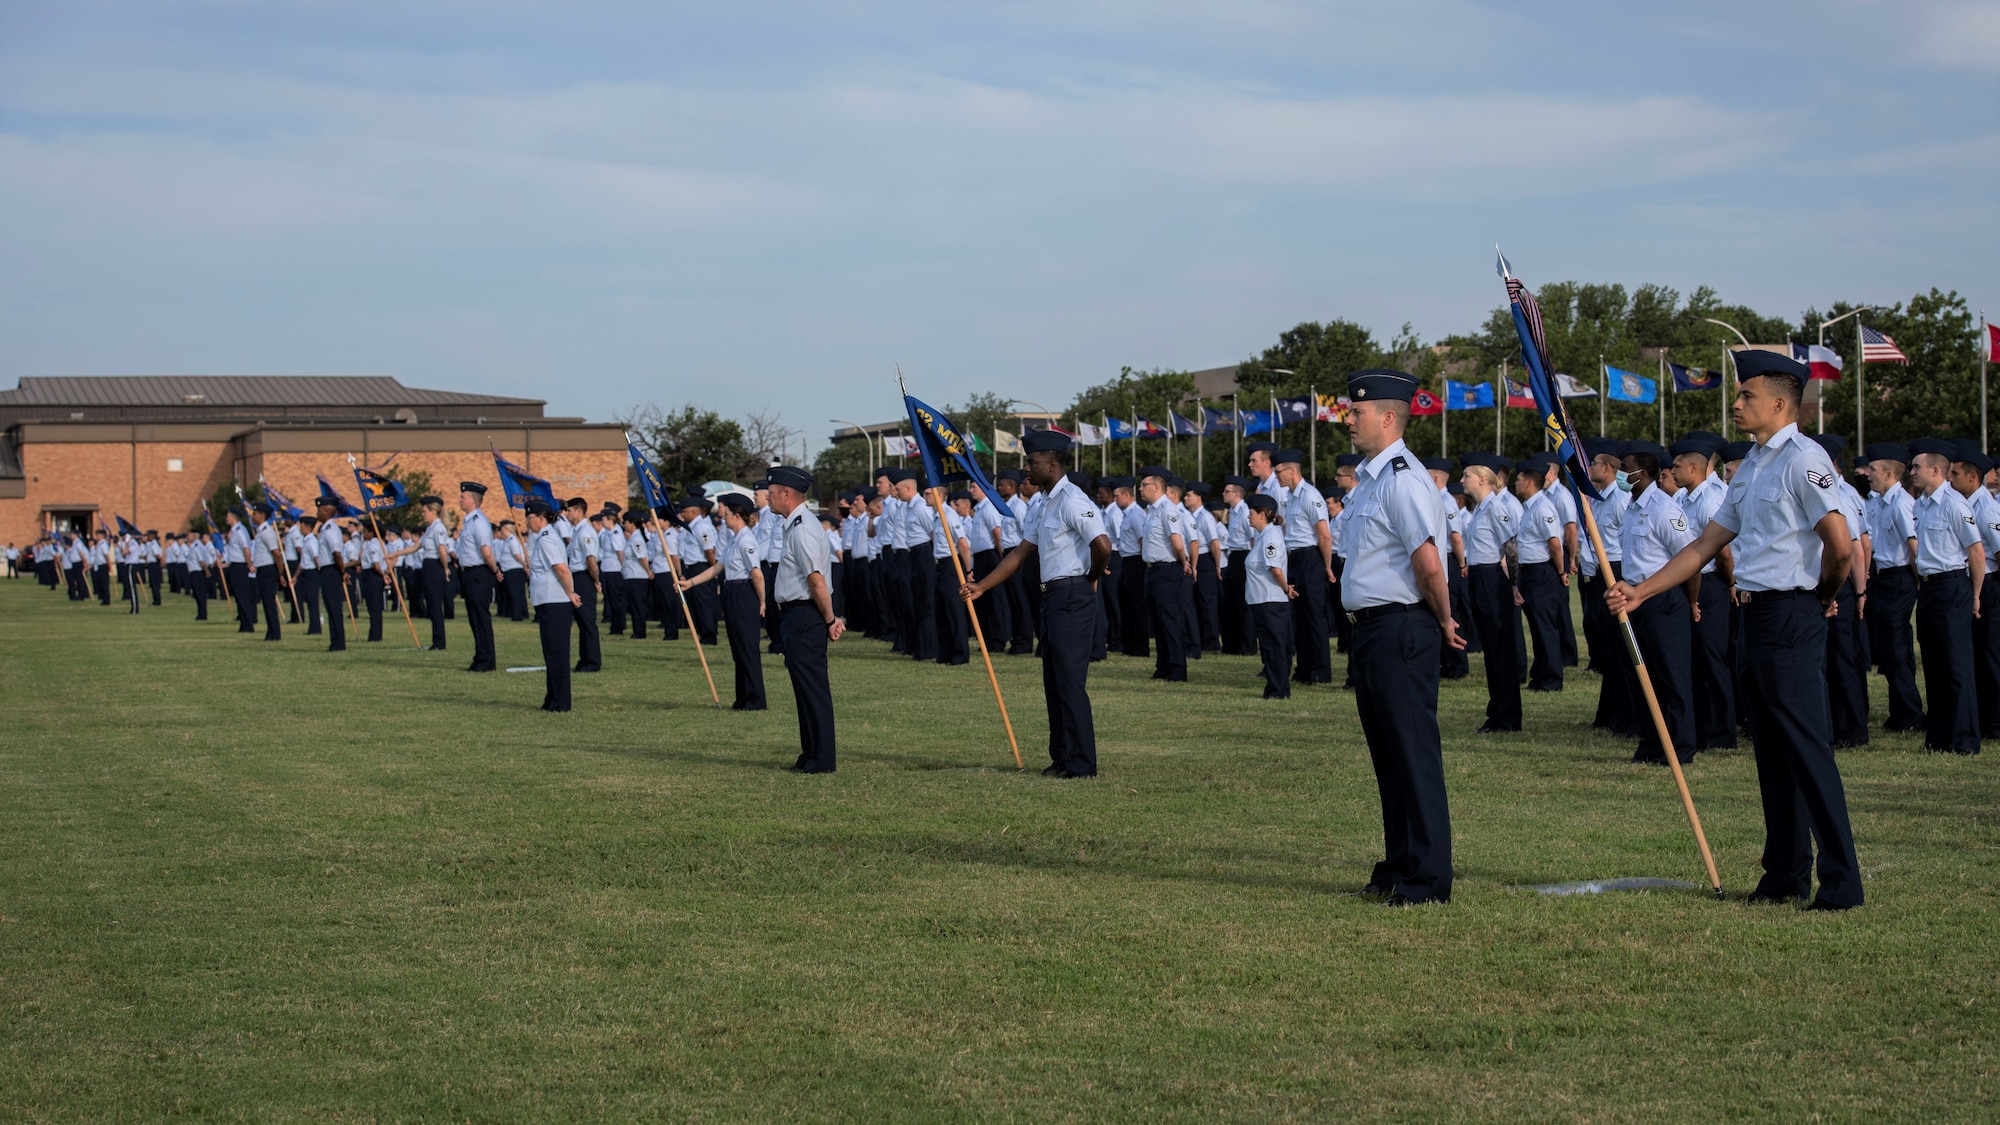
1534,353
1877,348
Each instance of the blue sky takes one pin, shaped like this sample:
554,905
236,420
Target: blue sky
767,205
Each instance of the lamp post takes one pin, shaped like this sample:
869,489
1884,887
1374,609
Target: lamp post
865,437
1047,415
1725,369
1859,369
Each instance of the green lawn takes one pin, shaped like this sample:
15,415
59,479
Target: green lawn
259,880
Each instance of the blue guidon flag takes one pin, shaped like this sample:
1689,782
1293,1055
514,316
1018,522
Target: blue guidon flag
651,487
947,454
1534,352
378,493
279,501
341,508
520,485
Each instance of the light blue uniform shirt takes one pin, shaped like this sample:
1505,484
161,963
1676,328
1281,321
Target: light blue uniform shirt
1304,511
1541,521
1391,512
1779,494
945,536
1894,525
636,555
1131,537
1851,507
740,558
804,553
474,533
583,546
332,545
1164,520
1655,529
1236,537
510,553
238,545
1700,504
1063,529
265,545
1490,529
1986,513
611,548
696,541
1945,529
1263,566
436,540
1202,529
545,553
1610,515
1011,530
986,519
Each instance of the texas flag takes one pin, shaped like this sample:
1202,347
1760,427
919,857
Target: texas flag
1823,361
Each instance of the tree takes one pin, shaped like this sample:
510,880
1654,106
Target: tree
692,446
1153,395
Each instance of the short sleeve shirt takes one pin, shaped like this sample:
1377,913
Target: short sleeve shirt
1063,530
1779,494
1541,521
804,553
545,553
1391,513
1263,566
474,533
1945,530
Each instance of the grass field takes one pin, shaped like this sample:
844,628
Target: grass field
258,880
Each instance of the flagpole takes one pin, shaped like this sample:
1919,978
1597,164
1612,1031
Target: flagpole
1444,422
1860,377
1312,429
1603,396
694,634
979,634
1724,376
1663,398
1236,428
1499,407
402,602
1104,448
1201,458
1985,353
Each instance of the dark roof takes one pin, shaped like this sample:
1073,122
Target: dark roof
247,391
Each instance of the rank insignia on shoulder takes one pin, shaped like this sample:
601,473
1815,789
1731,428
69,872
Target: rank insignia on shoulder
1399,464
1823,480
1679,523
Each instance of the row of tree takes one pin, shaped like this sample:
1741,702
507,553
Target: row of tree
1936,394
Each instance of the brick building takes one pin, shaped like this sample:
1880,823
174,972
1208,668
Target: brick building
151,448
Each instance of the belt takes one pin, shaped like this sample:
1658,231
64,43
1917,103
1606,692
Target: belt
1750,597
1945,574
782,606
1158,565
1058,583
1370,613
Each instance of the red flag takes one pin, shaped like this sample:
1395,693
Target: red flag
1424,402
1993,343
1519,395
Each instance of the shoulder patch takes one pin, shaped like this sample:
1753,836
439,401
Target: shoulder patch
1823,480
1679,523
1397,463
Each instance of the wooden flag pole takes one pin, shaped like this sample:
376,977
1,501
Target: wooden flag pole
958,565
694,634
395,582
1653,705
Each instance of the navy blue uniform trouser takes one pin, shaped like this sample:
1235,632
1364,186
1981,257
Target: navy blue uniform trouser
267,596
372,586
741,622
517,593
923,642
614,602
1208,602
639,599
1069,624
1544,594
589,653
948,610
243,591
1784,655
1163,600
1986,656
554,621
1395,662
996,617
1238,638
307,581
1892,593
1132,607
1714,679
198,586
1306,571
1664,626
1107,599
896,582
333,592
1021,635
1493,611
702,607
1847,671
477,582
1621,708
773,619
1944,632
1452,662
805,641
1271,631
433,579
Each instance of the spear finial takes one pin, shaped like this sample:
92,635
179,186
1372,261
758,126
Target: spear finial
900,385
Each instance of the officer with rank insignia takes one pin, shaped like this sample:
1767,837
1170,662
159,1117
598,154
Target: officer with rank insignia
807,622
1892,583
332,559
1398,607
1783,517
581,556
554,598
478,573
1968,471
1655,529
1846,636
1951,572
1067,537
265,549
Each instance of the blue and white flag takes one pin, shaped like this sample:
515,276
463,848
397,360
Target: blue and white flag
1467,396
1621,385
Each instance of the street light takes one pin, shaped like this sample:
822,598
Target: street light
866,437
1725,369
1860,372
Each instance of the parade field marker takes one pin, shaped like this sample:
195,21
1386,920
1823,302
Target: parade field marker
261,880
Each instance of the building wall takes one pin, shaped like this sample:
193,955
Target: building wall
115,478
597,474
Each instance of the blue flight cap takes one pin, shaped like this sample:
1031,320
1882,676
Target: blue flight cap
1347,460
1751,363
1377,384
1737,450
1045,441
1834,444
1887,451
1262,502
1260,447
792,477
1652,447
1687,446
1289,457
1244,483
1439,464
1595,447
1081,480
1937,447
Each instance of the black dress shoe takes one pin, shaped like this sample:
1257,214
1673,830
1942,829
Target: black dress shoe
1071,775
1372,890
1759,898
1490,728
1052,770
1822,904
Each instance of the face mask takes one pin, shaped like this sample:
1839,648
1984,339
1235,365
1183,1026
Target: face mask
1625,480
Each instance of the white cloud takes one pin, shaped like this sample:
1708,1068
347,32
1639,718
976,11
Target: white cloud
1958,35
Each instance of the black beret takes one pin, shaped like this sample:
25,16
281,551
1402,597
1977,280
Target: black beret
1377,384
1347,460
1262,502
472,486
1244,483
1289,457
792,477
1834,444
1014,475
1751,363
1695,447
1653,447
1260,447
535,507
1737,450
1887,451
1440,464
1937,447
1045,441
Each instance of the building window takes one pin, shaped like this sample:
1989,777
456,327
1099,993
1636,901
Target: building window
173,464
